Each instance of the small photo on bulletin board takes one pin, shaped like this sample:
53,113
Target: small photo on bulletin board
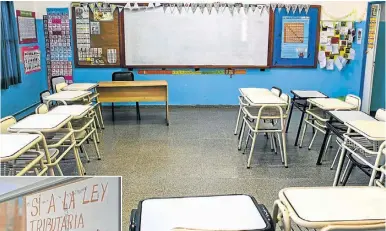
97,35
296,38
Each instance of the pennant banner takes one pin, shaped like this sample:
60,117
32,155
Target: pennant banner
279,6
179,7
222,7
202,7
246,8
172,7
186,7
273,7
288,8
260,8
306,8
294,7
267,7
194,7
209,7
120,8
238,7
165,6
231,8
216,6
92,6
300,8
113,7
253,7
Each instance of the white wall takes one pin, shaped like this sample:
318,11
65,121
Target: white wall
331,10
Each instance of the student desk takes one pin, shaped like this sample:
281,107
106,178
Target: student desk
76,111
134,91
336,125
51,124
68,96
262,91
229,212
299,100
331,207
373,131
80,87
15,145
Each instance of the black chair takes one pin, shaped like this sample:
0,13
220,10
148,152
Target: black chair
55,80
277,91
44,94
125,76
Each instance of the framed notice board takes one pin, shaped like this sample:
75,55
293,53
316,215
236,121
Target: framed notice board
296,38
97,35
26,24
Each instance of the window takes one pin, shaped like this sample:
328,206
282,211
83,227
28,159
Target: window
10,67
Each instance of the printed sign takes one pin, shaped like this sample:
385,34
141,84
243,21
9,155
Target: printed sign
31,59
87,205
27,27
295,37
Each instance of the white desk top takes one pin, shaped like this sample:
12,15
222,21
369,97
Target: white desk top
77,111
373,130
252,90
13,143
41,122
68,95
234,212
345,116
308,94
80,87
328,104
259,100
331,204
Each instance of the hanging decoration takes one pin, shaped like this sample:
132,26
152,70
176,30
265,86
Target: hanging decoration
267,7
294,7
273,7
246,8
202,7
194,7
300,8
288,8
209,7
306,8
231,8
279,6
260,8
253,7
238,7
165,6
179,7
222,7
216,6
172,7
186,6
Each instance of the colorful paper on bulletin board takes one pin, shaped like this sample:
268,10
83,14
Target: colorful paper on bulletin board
26,24
31,59
295,32
103,12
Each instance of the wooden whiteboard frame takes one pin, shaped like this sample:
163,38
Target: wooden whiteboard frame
269,56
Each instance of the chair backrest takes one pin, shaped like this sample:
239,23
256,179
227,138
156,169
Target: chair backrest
381,182
41,109
123,76
380,114
5,123
286,98
354,100
55,80
58,87
277,91
44,94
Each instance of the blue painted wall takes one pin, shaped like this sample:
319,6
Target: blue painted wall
203,89
24,94
378,97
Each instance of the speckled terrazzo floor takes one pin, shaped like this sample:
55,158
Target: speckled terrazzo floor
197,155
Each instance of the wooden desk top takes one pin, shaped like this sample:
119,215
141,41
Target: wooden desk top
150,83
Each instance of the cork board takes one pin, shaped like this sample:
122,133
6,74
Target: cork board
97,42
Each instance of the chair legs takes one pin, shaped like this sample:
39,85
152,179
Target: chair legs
281,150
112,111
303,133
351,167
284,149
251,152
138,113
241,135
312,140
336,156
237,121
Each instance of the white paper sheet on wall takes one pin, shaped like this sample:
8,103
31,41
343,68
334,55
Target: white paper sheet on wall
322,59
330,65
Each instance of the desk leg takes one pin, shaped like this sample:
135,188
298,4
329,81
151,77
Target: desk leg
300,124
324,144
112,111
167,113
290,115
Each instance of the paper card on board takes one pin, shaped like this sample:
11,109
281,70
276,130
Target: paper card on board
359,36
328,48
322,59
330,64
335,49
338,64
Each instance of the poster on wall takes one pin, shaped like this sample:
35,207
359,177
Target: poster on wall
295,30
31,59
80,206
26,24
59,52
103,12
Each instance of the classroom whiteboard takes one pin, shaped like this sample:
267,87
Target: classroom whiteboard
86,205
155,37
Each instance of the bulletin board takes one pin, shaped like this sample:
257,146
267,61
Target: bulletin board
97,35
296,38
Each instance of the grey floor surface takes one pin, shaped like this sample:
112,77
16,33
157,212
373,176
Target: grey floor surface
197,155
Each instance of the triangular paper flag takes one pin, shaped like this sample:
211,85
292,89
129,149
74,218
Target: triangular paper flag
179,7
120,8
216,6
294,7
231,8
246,8
157,4
238,7
306,8
267,7
172,7
150,5
273,7
260,8
253,7
222,7
288,8
202,7
113,7
165,6
194,7
279,6
209,7
135,7
186,6
300,8
99,5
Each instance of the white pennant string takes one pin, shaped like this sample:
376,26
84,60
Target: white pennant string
223,6
194,7
120,9
238,7
253,7
231,8
202,7
260,8
300,8
165,6
172,7
113,7
273,7
246,8
186,6
288,8
209,7
306,8
216,6
294,7
157,4
279,6
92,6
267,7
179,7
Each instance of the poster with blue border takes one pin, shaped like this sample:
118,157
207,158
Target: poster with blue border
295,31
